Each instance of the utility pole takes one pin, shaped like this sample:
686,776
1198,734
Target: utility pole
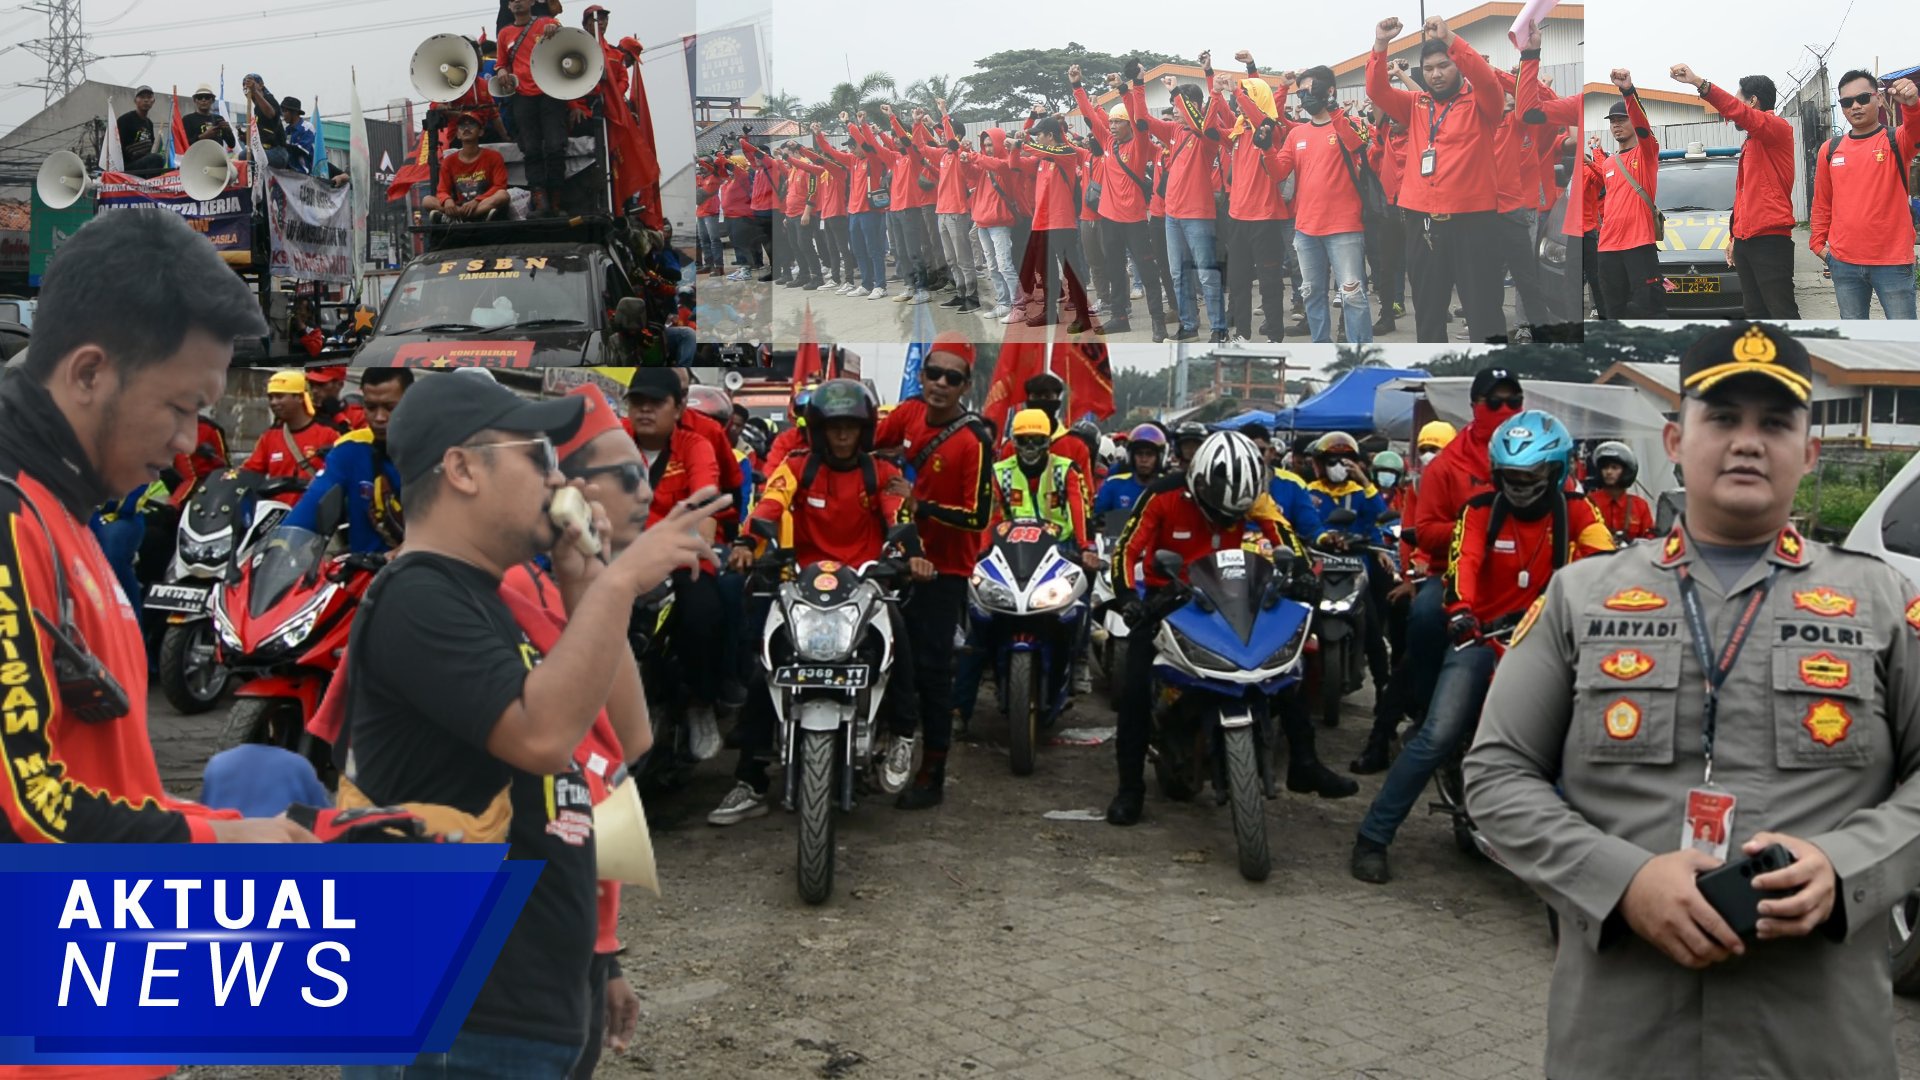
64,48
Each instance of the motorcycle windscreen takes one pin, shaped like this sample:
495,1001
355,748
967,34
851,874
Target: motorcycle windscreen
221,502
290,557
1236,582
1024,545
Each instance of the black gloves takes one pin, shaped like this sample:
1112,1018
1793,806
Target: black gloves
1462,628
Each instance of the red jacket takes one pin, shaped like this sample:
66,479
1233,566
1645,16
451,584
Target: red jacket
1325,200
950,194
1625,514
1193,146
1121,197
1253,194
1516,156
1460,130
1485,576
708,185
1388,155
1457,474
996,177
829,185
1056,185
1626,221
1583,189
1860,206
1763,186
855,165
951,487
788,441
1166,518
835,517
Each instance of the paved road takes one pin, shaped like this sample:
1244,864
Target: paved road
982,939
1811,289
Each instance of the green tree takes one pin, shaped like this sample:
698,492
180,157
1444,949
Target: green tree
783,104
851,97
1009,82
1349,357
925,92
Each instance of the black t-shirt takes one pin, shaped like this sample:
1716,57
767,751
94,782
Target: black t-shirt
273,130
136,135
540,11
196,124
437,657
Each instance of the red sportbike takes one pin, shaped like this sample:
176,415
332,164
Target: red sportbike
281,617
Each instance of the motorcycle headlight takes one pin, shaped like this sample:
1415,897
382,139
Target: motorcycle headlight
229,637
1057,593
206,552
1337,607
823,634
1206,658
1288,653
992,594
297,630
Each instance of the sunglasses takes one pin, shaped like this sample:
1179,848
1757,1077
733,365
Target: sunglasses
950,376
541,451
631,473
1506,401
1858,99
203,97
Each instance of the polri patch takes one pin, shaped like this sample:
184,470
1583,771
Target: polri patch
1623,719
1825,671
1635,599
1825,601
1827,721
1627,664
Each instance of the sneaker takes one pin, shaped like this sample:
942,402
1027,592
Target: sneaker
998,313
740,804
851,288
829,283
1368,862
1218,337
703,732
1012,316
904,296
897,771
954,301
737,275
1186,333
1137,294
878,293
920,296
1082,681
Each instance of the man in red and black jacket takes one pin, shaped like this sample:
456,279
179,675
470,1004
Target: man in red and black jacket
1760,232
1447,187
947,449
1629,257
1193,140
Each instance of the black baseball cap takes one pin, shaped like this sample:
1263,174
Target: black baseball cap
1486,379
1618,111
1747,348
654,384
446,410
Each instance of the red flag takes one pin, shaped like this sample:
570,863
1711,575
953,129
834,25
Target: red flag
179,127
416,171
1019,361
807,365
1088,374
648,180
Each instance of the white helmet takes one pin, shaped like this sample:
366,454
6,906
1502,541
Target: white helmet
1226,476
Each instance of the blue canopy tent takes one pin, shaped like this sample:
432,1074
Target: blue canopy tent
1346,405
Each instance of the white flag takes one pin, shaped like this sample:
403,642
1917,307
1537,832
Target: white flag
112,157
258,155
361,182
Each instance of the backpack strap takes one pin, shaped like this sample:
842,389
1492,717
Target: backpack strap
964,420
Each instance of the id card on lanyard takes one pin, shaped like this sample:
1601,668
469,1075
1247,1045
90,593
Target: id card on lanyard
1707,822
1433,133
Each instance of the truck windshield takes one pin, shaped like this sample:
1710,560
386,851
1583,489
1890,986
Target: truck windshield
468,292
1697,187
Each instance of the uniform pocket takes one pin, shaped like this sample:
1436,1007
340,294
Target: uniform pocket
1824,712
1628,701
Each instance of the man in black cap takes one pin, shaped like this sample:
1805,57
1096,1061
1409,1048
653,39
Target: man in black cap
136,137
452,706
1629,221
1594,773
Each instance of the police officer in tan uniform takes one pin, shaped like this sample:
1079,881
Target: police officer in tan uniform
1607,775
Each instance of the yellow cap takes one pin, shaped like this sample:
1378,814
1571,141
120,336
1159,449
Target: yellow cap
287,382
1437,434
739,161
1118,112
1032,422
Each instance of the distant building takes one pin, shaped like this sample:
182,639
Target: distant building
1663,107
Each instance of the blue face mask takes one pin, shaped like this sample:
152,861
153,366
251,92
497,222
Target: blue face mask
1386,481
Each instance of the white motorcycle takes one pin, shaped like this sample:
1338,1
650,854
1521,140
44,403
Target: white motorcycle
1025,600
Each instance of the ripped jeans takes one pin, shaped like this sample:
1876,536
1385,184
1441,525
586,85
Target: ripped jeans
1343,256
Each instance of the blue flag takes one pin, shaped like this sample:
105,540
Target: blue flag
920,341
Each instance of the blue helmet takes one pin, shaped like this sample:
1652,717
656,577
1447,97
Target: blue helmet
1530,439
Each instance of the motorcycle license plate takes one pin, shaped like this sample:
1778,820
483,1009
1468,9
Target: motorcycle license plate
1341,562
832,677
1695,284
185,599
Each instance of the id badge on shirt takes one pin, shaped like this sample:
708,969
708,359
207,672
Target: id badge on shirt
1708,826
1426,162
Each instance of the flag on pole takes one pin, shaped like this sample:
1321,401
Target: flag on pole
257,154
417,170
112,158
360,181
920,343
807,365
1088,373
177,142
647,153
1019,361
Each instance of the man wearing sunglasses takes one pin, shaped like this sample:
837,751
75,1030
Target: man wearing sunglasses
203,122
456,703
1862,220
946,446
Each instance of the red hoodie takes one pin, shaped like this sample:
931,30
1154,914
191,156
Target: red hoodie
829,185
857,178
993,206
1121,197
1254,194
1460,130
1193,142
1056,185
1459,473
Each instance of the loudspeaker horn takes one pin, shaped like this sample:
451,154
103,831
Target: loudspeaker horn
63,180
205,171
621,841
444,67
733,381
569,64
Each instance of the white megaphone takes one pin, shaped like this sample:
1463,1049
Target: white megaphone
444,67
733,381
63,180
569,64
205,171
621,842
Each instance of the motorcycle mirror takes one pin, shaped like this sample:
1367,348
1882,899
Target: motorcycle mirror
1391,517
1340,517
1169,562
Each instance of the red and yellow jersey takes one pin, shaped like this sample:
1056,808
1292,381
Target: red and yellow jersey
832,513
952,483
1497,576
282,451
1168,519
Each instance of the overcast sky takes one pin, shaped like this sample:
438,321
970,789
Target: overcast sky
1754,37
378,42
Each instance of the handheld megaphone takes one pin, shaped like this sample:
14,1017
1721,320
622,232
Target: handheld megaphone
622,845
63,180
205,171
444,67
569,64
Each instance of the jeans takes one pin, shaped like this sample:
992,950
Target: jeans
1190,246
1765,267
1454,711
997,241
277,157
1854,286
1426,642
711,250
682,341
476,1055
870,247
1345,255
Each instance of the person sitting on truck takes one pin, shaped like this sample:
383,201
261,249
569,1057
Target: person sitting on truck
297,446
473,179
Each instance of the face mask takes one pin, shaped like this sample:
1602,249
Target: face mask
1523,493
1314,100
1336,474
1486,418
1427,456
1386,480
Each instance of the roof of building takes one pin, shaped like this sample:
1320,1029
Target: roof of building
1841,363
1456,23
1185,72
726,133
1667,96
15,215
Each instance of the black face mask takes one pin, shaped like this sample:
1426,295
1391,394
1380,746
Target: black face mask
1313,99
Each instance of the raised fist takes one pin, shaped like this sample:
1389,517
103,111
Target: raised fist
1039,108
1169,82
815,126
940,103
843,116
1243,56
887,108
1684,73
1223,83
1290,78
1073,74
1532,38
1905,92
1622,78
1113,80
1206,59
1386,31
1436,27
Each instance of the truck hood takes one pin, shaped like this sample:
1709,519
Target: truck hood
565,347
1696,236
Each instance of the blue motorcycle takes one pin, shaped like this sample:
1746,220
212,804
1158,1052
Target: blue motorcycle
1027,601
1230,639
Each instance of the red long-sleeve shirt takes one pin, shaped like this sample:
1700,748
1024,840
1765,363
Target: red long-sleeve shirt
952,487
1191,150
834,517
522,68
1253,193
1625,513
1459,131
1121,197
858,181
1325,202
1583,191
996,189
1627,221
1859,203
1166,518
829,196
736,194
1056,184
1497,579
1388,155
1763,185
708,186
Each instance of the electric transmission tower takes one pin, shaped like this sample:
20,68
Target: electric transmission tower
64,48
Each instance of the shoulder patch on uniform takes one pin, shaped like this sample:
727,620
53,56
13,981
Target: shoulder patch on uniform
1635,599
1526,621
1913,614
1790,546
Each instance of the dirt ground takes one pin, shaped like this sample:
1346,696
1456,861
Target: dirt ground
984,939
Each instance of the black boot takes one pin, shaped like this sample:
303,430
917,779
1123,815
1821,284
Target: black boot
1368,862
1374,759
1127,804
1384,324
1305,773
929,787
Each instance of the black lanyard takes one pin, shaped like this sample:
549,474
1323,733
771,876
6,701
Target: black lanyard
1433,125
1716,671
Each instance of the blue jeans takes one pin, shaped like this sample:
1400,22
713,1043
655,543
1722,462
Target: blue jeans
1190,245
477,1055
1454,710
681,343
1345,254
870,248
996,241
1854,287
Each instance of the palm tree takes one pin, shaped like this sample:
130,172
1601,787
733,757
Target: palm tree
851,97
782,104
937,87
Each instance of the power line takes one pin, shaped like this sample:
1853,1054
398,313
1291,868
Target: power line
229,20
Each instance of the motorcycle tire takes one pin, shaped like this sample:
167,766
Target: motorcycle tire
187,694
818,751
1333,680
1023,711
266,721
1249,804
1903,942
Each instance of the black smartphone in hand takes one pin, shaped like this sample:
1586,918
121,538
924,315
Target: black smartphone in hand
1729,887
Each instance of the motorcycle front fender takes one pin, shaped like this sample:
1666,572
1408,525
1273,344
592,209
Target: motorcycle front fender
306,688
1334,628
823,714
1235,714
